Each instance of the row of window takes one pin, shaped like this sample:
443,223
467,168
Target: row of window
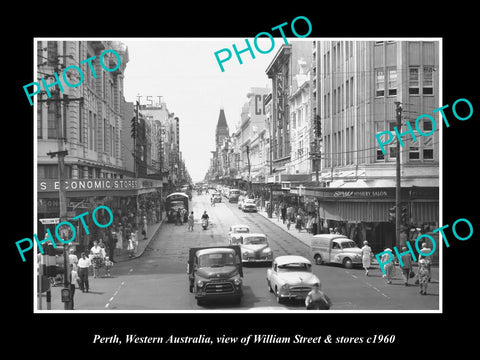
418,78
108,132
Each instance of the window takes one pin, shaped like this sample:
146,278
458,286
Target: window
413,84
351,91
427,80
392,152
427,154
39,121
90,127
392,82
347,93
52,51
52,122
379,82
414,153
427,126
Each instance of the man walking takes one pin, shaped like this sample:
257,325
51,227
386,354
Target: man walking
83,267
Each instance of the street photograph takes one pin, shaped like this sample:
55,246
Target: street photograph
271,174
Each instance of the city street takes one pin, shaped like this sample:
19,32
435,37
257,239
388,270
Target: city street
157,280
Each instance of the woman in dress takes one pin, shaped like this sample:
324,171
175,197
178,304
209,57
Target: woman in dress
98,254
423,275
366,256
388,267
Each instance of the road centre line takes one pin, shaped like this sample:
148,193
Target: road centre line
115,294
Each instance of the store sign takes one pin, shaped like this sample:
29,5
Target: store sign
360,194
88,184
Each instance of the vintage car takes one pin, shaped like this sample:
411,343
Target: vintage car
215,273
255,248
217,197
249,205
335,248
291,277
236,232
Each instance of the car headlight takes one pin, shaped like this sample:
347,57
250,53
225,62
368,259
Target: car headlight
245,253
267,250
285,286
200,283
237,281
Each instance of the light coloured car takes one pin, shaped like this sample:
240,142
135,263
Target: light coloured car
236,233
249,205
291,277
255,248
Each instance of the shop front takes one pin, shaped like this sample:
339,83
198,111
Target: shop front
130,200
365,213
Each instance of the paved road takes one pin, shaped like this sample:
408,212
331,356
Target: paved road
158,281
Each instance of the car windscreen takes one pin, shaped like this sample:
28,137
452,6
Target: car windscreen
216,260
348,244
241,230
254,240
295,267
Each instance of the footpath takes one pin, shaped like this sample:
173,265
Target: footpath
306,238
121,256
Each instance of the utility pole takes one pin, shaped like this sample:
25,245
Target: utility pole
398,199
60,154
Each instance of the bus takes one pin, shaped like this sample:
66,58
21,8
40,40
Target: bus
176,201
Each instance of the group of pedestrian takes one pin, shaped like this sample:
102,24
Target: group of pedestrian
406,265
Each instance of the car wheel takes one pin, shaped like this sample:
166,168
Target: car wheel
318,259
269,286
277,295
190,288
347,263
200,302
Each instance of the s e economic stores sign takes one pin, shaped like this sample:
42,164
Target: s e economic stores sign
88,184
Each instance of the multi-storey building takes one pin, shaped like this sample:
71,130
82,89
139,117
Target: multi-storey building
358,87
87,121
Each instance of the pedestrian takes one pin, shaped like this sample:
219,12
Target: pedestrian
144,229
423,275
284,213
309,226
422,255
316,299
190,221
112,244
74,279
298,224
98,256
389,267
108,266
406,265
72,258
178,218
366,256
83,268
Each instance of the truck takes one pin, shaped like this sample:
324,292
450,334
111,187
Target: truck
335,248
215,272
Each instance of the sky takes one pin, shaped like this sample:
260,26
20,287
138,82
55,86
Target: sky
185,73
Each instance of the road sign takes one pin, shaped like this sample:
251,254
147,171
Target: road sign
50,221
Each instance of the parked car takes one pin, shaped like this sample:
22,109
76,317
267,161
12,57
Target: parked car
291,277
236,233
249,205
335,248
255,248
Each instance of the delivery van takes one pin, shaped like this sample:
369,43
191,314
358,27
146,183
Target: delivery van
335,248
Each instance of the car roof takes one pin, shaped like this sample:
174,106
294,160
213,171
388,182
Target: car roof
287,259
239,225
329,236
254,235
214,250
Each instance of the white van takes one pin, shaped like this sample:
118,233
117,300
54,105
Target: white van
334,248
